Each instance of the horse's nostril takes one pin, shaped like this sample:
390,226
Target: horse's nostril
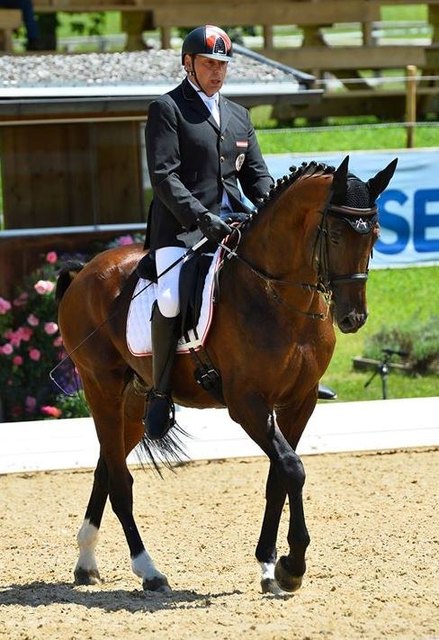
352,322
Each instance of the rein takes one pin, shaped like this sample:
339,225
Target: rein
271,281
361,221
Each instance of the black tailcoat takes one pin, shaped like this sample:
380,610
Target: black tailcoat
191,160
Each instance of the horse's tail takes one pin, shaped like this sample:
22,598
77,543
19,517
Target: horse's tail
65,278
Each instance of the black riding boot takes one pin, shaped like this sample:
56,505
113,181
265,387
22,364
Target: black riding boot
159,417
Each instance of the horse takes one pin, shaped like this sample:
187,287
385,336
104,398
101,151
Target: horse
300,267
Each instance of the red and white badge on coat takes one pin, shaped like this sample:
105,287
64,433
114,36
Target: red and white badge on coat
241,144
239,161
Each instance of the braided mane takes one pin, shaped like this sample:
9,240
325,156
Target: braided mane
306,169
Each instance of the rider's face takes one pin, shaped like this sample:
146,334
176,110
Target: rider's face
210,73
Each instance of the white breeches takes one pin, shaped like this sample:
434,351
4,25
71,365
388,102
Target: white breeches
168,298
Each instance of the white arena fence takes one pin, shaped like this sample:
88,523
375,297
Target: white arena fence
374,425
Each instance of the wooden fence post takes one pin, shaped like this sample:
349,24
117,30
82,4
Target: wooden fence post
410,111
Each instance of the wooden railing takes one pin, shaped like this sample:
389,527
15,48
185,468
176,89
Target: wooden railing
10,19
309,15
314,55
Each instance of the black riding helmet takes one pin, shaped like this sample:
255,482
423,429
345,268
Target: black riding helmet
208,41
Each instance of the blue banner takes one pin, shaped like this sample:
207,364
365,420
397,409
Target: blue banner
408,208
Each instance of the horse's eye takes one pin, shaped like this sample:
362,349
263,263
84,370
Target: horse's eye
334,235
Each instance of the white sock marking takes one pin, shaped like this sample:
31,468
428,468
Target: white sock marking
267,569
144,567
87,539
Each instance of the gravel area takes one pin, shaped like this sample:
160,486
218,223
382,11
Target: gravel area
122,69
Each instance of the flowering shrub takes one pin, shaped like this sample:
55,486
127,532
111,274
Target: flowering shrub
31,346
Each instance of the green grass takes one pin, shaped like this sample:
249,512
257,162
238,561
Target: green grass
341,139
394,296
405,14
111,25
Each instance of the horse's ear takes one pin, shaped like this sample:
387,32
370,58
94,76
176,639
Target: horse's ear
378,183
340,182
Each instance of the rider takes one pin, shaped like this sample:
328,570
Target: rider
199,146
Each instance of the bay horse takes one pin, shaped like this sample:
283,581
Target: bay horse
300,266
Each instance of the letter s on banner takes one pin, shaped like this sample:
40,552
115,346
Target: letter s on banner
392,222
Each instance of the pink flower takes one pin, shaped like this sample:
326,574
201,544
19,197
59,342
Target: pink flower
5,306
43,287
33,320
30,403
17,360
22,333
25,333
21,300
50,328
34,354
57,342
125,240
51,411
7,349
51,257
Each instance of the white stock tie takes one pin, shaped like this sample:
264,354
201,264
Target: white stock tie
214,109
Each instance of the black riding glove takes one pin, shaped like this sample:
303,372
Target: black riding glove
234,216
213,227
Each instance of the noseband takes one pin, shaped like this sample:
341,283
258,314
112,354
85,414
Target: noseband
362,221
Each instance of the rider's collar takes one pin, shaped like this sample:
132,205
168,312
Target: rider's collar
205,98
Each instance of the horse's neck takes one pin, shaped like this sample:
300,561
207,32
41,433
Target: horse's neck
281,238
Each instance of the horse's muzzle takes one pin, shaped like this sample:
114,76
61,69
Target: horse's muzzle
351,322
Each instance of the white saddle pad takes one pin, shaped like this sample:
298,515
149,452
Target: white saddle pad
139,315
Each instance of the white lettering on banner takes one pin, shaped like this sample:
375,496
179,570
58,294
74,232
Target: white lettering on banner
408,208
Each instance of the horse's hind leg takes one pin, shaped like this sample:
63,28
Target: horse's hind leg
117,436
86,570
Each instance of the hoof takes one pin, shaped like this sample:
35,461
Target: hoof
269,585
82,576
159,584
285,580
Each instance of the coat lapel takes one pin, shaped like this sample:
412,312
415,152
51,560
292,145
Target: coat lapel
224,112
197,103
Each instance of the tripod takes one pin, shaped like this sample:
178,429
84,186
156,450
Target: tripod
383,368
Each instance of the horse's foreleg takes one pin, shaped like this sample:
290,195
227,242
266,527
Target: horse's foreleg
275,495
86,570
290,569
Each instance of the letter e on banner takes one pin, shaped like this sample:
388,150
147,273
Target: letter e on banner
426,225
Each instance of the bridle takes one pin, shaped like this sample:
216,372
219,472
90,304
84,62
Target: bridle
362,221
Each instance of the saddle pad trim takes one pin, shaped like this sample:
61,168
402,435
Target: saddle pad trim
138,332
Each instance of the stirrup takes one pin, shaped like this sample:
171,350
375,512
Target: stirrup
160,415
